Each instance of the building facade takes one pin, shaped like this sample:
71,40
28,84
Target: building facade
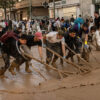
22,10
65,8
87,8
2,16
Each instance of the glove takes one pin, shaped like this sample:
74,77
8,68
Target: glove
64,57
44,46
86,46
78,55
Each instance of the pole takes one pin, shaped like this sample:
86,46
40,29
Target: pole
54,8
30,8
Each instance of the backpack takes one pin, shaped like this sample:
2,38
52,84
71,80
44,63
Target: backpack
8,35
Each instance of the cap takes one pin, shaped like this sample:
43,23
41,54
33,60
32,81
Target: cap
39,35
60,32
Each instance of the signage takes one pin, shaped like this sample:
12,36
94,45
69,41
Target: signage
45,4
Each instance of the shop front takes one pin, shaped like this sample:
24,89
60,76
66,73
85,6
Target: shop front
65,8
68,12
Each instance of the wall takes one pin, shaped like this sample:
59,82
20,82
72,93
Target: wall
1,14
87,8
40,11
65,8
22,9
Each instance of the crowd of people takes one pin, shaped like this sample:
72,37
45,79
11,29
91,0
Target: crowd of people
74,36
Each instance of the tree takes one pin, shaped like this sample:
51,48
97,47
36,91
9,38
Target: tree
7,4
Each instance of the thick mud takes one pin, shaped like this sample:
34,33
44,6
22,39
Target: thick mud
32,86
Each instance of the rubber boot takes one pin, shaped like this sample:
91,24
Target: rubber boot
48,60
54,65
61,62
72,59
27,69
11,69
18,68
2,71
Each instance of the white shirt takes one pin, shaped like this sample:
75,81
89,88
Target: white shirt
58,24
3,24
97,37
52,38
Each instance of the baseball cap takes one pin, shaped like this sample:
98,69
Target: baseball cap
39,35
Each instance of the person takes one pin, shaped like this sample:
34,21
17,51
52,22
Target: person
50,26
18,31
96,37
10,47
84,31
2,23
97,20
58,23
1,30
29,28
80,16
73,42
77,25
55,41
1,33
62,19
72,19
28,41
23,27
91,22
86,47
33,41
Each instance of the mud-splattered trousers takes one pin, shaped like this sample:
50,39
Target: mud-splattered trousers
55,47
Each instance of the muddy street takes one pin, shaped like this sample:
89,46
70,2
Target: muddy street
32,86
